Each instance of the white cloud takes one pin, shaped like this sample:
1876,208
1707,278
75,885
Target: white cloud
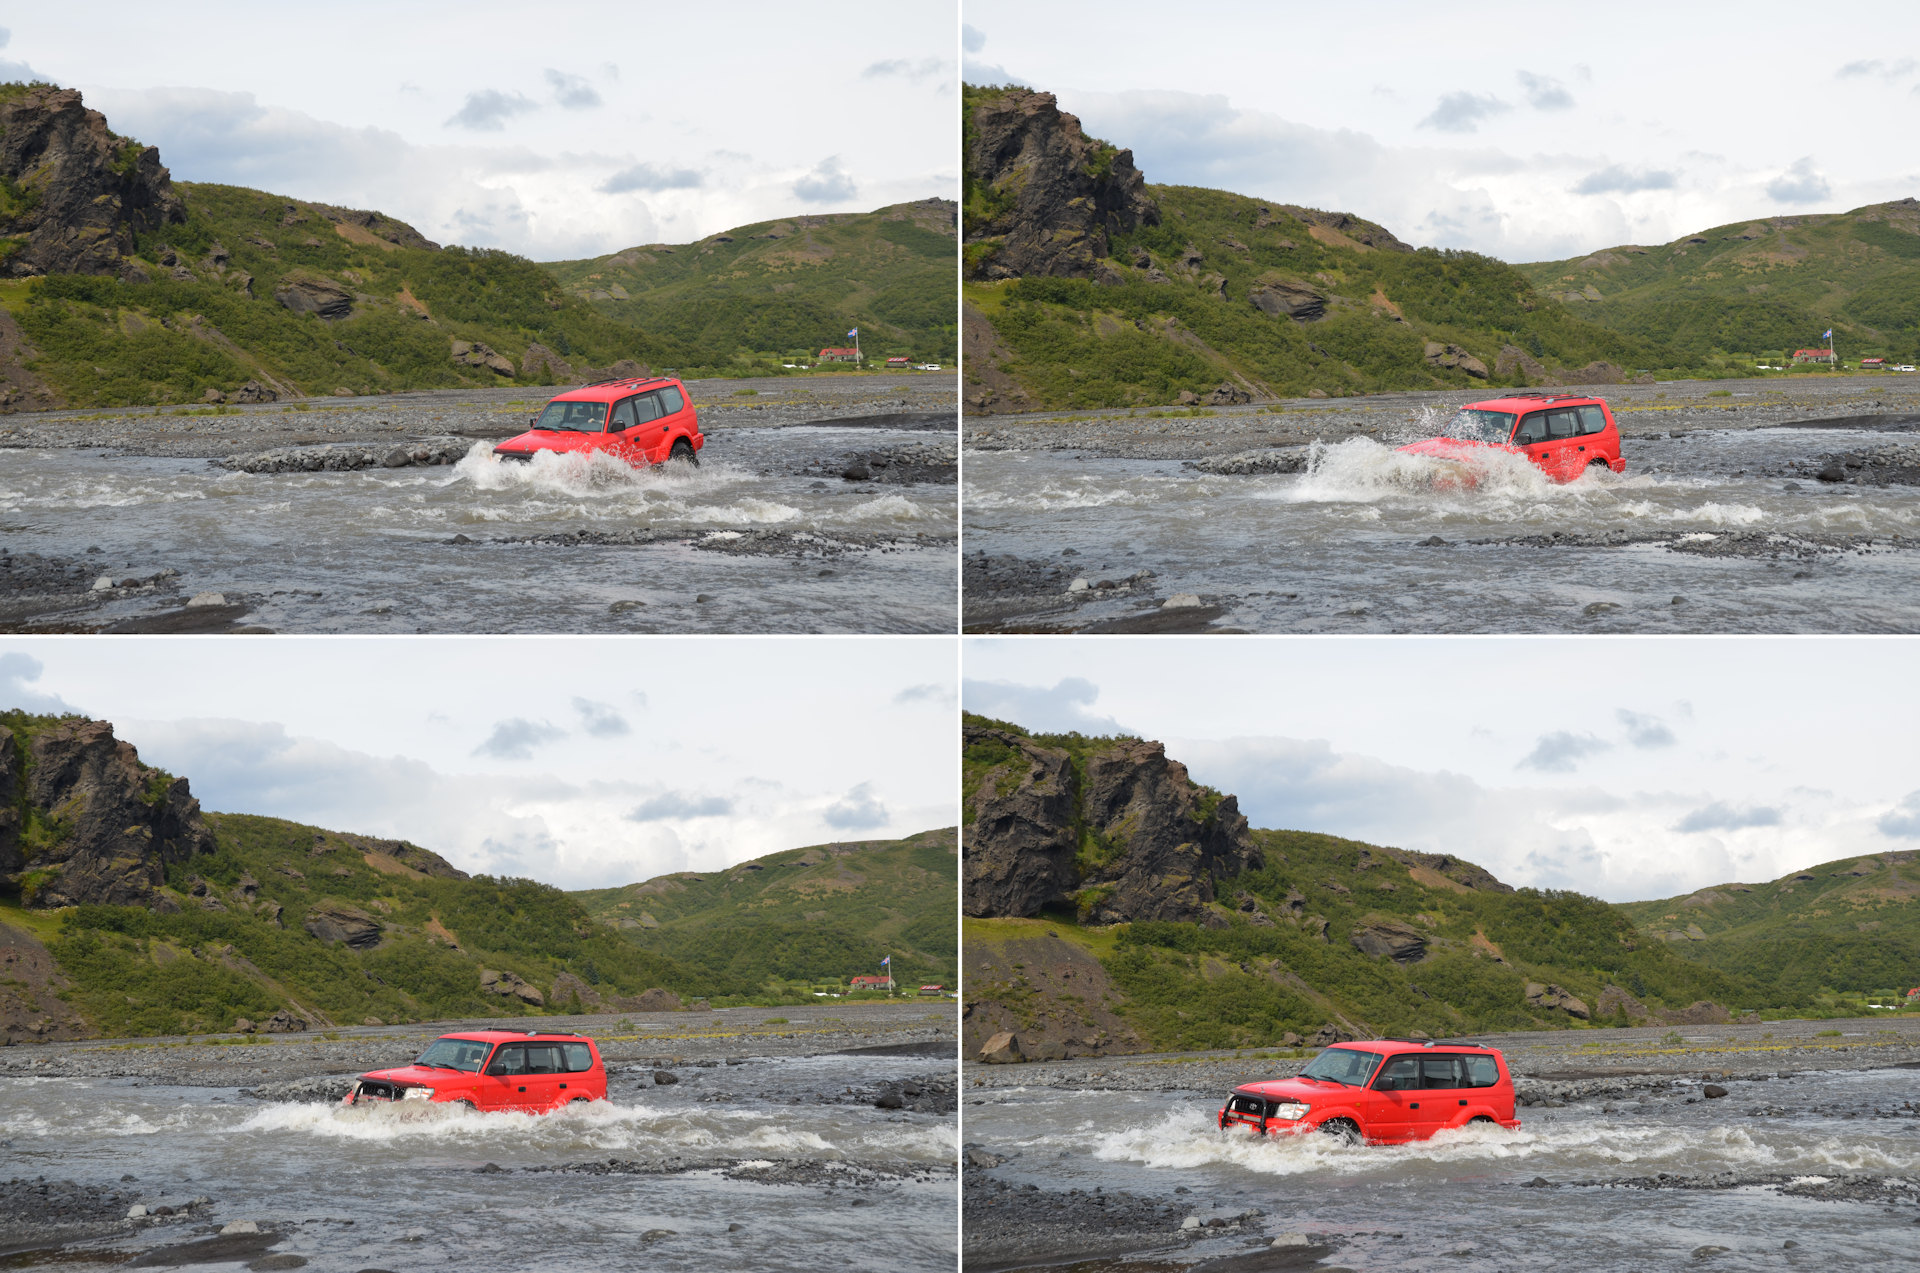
1876,68
517,738
929,692
1616,179
675,806
1462,112
1903,820
829,182
1645,731
1800,183
18,673
1720,816
1561,752
1063,708
858,810
913,70
573,92
972,39
488,110
601,720
651,177
1545,93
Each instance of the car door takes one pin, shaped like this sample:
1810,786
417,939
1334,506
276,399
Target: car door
677,414
648,438
1441,1097
620,429
1601,440
1554,452
545,1072
1396,1090
504,1083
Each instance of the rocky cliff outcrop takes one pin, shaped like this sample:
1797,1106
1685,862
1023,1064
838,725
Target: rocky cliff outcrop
1048,197
1125,835
86,822
74,195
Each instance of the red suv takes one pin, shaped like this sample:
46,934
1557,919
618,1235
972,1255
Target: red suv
643,420
535,1071
1565,435
1386,1092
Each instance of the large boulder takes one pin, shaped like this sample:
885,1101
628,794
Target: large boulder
1053,197
1002,1049
87,195
314,294
116,824
654,1000
469,353
1402,943
1553,997
1287,298
541,363
1616,1004
510,986
336,922
1452,357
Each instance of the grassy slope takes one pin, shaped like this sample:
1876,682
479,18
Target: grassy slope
816,914
1853,925
1185,985
140,972
103,342
794,284
1770,285
1075,343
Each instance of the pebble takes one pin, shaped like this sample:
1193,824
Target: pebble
207,599
1182,601
239,1226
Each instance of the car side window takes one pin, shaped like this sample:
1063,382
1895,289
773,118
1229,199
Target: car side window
1482,1071
1592,420
511,1059
648,407
579,1057
1562,423
671,400
622,418
1532,429
1397,1075
1440,1071
543,1058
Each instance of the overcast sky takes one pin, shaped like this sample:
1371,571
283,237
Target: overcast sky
555,131
1625,768
581,762
1529,131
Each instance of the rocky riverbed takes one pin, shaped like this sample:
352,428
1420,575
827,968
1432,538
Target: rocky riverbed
1776,1145
1746,506
392,515
726,1137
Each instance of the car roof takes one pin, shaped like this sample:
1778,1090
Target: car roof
1528,401
610,390
513,1036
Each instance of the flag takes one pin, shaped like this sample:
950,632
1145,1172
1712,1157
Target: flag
856,332
886,961
1829,335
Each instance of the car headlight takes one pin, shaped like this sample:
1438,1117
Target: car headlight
417,1094
1291,1109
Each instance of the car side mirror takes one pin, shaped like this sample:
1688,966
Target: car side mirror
533,422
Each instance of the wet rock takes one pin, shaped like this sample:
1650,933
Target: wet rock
1002,1049
665,1078
1182,601
1253,463
207,599
1713,1091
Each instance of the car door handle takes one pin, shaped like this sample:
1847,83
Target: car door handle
1414,1105
1580,448
564,1085
1462,1102
523,1089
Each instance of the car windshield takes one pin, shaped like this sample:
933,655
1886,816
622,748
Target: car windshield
1342,1065
455,1054
573,417
1472,425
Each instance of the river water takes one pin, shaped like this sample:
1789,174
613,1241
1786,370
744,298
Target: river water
396,1188
371,550
1340,547
1463,1200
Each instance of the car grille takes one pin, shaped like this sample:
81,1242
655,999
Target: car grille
522,456
375,1090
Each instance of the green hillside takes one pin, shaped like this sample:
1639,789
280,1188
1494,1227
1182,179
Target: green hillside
210,318
236,945
1851,925
1766,286
1280,950
818,914
790,285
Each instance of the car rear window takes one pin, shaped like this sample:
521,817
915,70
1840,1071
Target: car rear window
671,400
579,1057
1482,1071
1592,420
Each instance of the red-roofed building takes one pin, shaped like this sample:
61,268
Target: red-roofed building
1872,364
899,364
933,990
1813,355
839,355
871,983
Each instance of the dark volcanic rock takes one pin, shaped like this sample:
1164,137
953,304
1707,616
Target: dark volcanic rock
336,922
1058,194
85,193
1162,841
114,823
1402,943
314,294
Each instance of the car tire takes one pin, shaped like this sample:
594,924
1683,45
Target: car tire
1343,1130
683,450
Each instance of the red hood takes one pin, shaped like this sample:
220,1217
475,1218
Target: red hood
1311,1091
418,1075
555,440
1453,448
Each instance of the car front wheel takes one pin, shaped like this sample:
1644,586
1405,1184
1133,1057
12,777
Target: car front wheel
1344,1130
